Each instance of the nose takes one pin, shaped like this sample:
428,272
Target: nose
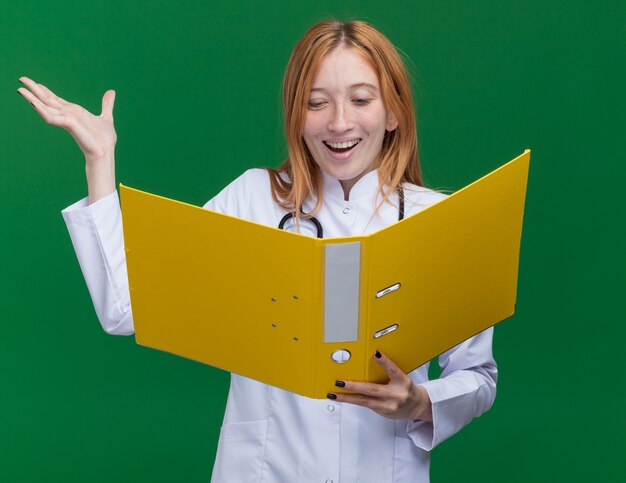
339,120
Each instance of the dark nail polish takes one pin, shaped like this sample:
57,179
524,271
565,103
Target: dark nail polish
378,355
332,396
340,384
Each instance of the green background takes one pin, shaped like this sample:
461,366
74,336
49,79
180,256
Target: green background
198,102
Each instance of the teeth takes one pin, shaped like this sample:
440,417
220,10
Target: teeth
346,144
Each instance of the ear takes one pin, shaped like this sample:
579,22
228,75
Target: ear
392,122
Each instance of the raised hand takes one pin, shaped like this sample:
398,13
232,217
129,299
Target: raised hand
95,135
400,398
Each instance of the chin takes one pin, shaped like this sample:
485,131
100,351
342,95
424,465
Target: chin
343,173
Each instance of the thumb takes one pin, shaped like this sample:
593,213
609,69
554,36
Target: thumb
108,101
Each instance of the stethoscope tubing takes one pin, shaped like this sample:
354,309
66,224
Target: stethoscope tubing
312,219
318,225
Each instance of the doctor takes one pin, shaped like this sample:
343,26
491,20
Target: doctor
350,130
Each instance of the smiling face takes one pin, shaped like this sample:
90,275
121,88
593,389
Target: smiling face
346,119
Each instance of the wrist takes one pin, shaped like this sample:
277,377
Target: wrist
423,409
100,177
106,157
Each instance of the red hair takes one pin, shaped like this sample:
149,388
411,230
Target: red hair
398,160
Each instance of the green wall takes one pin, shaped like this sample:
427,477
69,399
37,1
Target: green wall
197,103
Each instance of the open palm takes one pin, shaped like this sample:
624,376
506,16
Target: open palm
95,135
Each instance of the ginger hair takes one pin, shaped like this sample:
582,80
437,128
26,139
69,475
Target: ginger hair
398,160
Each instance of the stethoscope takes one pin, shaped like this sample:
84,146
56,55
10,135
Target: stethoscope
318,225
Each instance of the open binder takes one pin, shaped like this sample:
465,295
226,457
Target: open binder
221,290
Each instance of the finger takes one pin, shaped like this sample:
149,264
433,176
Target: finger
359,400
108,101
379,406
393,371
47,113
39,92
51,95
32,99
367,388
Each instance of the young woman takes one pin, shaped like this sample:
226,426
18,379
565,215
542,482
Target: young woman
353,164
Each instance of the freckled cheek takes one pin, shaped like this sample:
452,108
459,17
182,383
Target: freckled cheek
312,141
315,119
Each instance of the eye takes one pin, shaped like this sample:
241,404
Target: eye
316,104
361,101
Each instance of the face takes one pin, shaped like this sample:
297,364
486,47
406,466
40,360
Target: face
346,119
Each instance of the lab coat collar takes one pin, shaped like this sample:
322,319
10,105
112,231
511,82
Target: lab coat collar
366,187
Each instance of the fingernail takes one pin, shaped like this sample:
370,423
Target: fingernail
340,384
332,396
378,355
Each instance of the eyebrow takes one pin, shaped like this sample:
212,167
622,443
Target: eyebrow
353,86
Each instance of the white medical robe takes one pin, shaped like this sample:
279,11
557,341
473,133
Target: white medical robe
271,435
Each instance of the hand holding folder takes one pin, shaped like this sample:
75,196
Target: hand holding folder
215,288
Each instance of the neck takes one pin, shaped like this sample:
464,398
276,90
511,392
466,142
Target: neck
347,184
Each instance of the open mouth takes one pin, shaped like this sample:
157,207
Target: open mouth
342,147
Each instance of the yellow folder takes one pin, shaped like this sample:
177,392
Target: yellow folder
298,312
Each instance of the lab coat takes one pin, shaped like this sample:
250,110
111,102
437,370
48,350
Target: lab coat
271,435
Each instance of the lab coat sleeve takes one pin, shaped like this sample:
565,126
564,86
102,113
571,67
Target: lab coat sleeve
98,239
465,390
